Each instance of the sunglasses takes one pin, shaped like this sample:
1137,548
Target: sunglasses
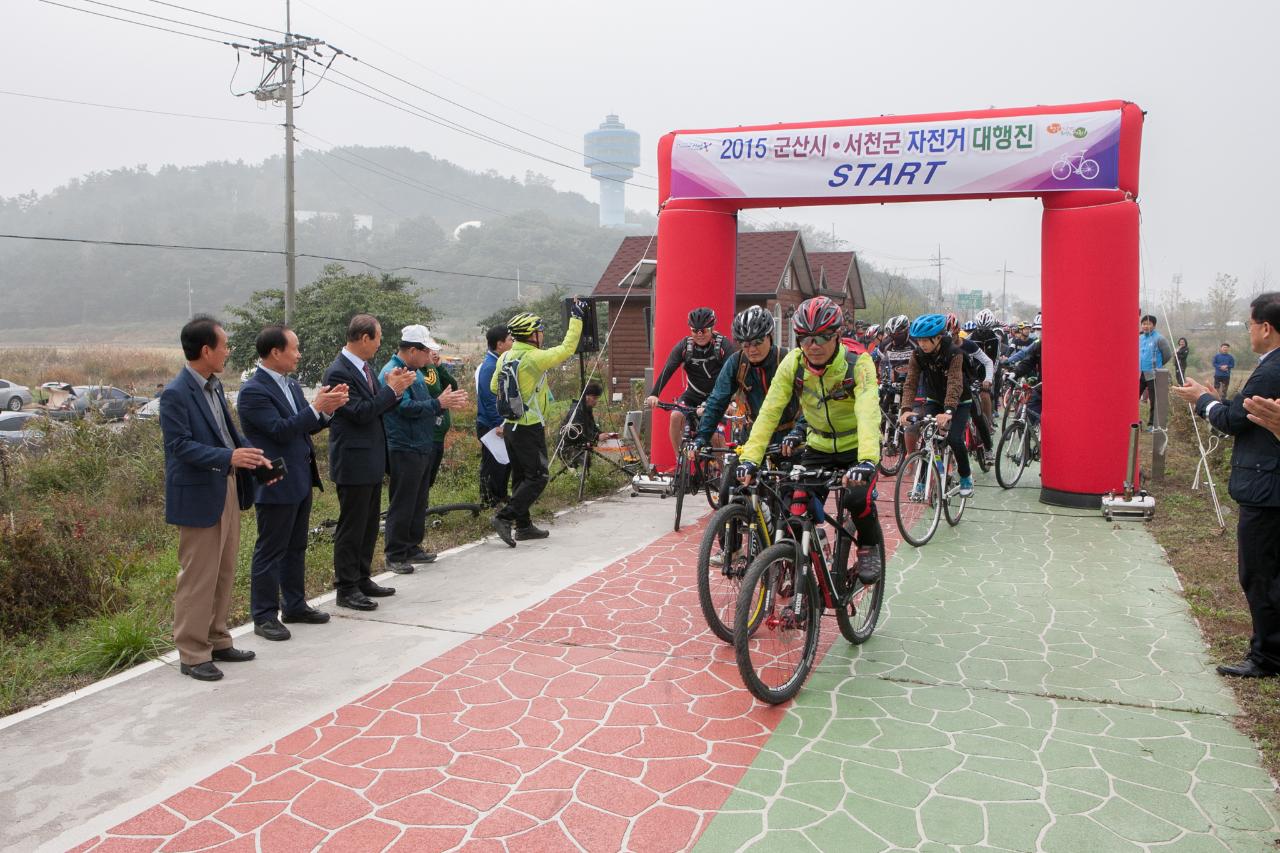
815,340
700,331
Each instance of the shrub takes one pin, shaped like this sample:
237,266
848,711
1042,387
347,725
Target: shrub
44,582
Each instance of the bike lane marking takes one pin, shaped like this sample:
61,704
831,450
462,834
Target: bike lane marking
607,717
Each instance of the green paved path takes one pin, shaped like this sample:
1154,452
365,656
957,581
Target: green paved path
1038,684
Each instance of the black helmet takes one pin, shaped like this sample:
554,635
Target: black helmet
702,318
752,324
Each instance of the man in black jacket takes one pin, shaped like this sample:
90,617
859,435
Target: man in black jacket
358,459
1255,485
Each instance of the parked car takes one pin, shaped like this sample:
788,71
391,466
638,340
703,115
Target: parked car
14,396
150,411
18,430
69,402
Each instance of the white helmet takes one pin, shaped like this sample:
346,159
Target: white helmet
1035,324
985,318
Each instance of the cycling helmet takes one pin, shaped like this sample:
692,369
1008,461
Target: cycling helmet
928,326
970,326
873,330
1035,324
817,316
752,324
952,322
985,318
524,324
897,324
702,318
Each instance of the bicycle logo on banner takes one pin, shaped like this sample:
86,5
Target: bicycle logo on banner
1075,164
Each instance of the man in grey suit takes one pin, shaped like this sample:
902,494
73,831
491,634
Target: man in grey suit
358,459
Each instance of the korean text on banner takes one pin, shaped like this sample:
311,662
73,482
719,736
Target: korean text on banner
977,156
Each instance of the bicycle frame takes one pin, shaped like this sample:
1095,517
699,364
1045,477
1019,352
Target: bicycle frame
800,527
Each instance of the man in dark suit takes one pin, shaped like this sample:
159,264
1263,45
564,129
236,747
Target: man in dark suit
206,462
1255,486
277,419
358,459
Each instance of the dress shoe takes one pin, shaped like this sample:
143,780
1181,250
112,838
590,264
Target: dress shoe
201,671
373,590
1247,669
234,655
310,616
400,568
502,527
421,557
531,532
356,601
271,630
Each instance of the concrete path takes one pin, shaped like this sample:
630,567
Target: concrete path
1037,684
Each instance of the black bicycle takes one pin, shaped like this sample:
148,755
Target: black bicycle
893,437
792,582
1020,442
697,468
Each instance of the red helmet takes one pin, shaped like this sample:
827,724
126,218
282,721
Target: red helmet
817,316
953,323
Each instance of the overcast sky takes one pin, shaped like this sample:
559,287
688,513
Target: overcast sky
1206,78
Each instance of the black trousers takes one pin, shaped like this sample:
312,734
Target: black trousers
1148,387
356,536
859,499
493,475
437,456
407,503
279,567
527,447
1258,550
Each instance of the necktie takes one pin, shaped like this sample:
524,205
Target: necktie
211,387
368,375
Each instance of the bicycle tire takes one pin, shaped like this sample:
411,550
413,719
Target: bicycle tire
682,486
949,499
713,479
718,586
891,452
747,641
1012,442
1010,405
860,612
907,476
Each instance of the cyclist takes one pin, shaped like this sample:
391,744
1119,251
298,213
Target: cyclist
937,372
1026,362
702,354
895,349
987,336
980,374
1021,337
746,376
841,412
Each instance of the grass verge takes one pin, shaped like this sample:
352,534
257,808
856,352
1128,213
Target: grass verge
1204,558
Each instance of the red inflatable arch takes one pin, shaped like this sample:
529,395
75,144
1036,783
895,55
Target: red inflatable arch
1081,160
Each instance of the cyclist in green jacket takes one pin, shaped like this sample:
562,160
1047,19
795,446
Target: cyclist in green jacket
840,404
525,437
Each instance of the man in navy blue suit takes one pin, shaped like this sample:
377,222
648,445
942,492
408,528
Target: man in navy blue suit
206,485
278,419
1254,485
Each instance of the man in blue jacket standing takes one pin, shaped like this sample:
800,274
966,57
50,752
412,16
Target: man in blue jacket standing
1153,353
412,451
279,420
494,475
1223,363
1255,486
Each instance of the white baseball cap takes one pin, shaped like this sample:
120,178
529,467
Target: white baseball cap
420,335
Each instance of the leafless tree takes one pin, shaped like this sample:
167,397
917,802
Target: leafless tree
1222,299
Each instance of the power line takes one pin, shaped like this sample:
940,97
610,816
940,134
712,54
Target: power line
135,23
178,21
241,250
218,17
136,109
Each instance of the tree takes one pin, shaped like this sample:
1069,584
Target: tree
547,307
323,310
1222,299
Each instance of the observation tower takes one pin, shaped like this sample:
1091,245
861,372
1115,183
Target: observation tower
612,153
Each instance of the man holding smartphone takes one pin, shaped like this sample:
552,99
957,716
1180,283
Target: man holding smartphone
277,418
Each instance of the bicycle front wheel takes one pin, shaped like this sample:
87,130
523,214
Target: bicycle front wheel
859,613
953,503
917,498
729,545
774,659
891,451
714,473
1011,455
682,485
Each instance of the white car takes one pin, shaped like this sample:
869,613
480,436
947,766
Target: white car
14,396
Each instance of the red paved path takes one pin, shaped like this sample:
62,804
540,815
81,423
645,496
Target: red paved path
605,718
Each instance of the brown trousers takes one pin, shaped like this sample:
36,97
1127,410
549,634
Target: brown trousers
203,598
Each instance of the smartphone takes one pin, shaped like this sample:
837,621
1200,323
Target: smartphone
277,470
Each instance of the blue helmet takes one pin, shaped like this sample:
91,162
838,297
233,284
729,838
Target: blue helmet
928,326
970,326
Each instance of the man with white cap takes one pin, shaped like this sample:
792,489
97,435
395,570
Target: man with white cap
412,448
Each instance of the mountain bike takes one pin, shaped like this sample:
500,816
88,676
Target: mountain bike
736,534
697,469
893,438
1019,444
792,582
929,480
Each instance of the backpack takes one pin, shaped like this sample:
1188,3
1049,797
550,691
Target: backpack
511,405
847,383
722,351
788,419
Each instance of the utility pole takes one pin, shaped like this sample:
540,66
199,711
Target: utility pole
518,297
937,262
1004,291
190,313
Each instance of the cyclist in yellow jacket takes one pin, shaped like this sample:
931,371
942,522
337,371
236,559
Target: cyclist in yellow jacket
525,435
840,401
